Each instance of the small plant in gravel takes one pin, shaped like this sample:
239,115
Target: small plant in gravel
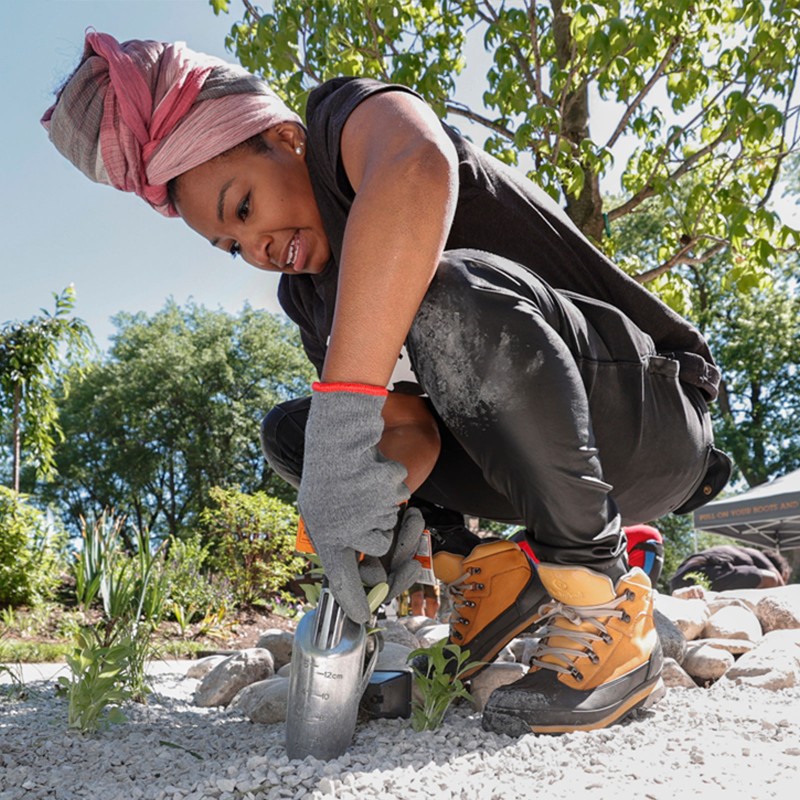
438,686
107,665
97,680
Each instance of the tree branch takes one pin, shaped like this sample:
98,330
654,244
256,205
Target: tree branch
537,56
779,159
681,257
254,12
646,89
648,191
522,61
463,111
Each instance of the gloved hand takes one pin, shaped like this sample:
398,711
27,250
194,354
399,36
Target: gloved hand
349,493
404,570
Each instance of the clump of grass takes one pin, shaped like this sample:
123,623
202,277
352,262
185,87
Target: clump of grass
16,689
20,650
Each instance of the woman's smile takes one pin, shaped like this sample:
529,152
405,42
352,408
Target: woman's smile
259,205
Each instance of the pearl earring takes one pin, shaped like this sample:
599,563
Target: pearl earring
299,149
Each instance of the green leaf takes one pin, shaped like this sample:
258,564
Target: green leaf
377,595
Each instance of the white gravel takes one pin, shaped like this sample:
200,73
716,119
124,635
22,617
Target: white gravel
736,743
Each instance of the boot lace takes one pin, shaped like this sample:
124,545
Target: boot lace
459,597
595,616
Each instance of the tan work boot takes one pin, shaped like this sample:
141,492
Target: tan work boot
599,657
495,594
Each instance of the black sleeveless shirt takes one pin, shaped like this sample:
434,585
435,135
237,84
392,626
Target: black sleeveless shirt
499,211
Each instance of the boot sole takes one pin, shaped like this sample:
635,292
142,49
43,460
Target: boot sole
501,631
645,697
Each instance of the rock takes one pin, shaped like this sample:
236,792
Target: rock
734,646
780,608
393,656
706,663
413,624
432,634
505,656
517,647
689,615
279,643
774,664
530,645
675,676
265,701
204,666
399,634
717,602
748,597
733,622
483,684
690,592
220,686
673,642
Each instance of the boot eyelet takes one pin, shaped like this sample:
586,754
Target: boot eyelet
593,657
626,617
480,586
629,595
470,604
463,621
607,638
457,635
576,674
476,570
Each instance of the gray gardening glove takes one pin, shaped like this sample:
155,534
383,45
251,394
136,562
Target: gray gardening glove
349,493
403,570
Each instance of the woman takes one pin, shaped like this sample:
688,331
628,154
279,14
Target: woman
531,380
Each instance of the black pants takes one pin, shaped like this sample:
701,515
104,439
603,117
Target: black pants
555,412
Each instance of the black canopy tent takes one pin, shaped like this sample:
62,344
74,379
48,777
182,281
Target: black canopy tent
767,515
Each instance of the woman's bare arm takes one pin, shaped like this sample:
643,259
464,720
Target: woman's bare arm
403,169
410,437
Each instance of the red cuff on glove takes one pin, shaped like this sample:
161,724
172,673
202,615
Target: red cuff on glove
357,388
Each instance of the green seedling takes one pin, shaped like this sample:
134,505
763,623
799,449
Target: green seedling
438,687
96,686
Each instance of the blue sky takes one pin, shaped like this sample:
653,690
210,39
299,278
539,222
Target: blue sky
59,228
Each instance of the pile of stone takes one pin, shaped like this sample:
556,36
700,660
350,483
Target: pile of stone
750,637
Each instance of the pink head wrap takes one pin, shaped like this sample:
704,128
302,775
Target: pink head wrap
136,115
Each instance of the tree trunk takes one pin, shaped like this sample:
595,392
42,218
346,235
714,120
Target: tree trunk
585,210
17,434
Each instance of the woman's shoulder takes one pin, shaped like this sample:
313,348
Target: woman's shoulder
338,97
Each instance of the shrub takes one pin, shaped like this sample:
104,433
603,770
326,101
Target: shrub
191,589
252,540
30,552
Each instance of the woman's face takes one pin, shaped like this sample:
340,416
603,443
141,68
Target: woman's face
258,205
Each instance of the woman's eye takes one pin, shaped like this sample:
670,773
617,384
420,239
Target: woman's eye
235,249
244,208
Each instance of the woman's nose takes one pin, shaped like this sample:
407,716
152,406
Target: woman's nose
256,250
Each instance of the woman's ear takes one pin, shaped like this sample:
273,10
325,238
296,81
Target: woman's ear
289,134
